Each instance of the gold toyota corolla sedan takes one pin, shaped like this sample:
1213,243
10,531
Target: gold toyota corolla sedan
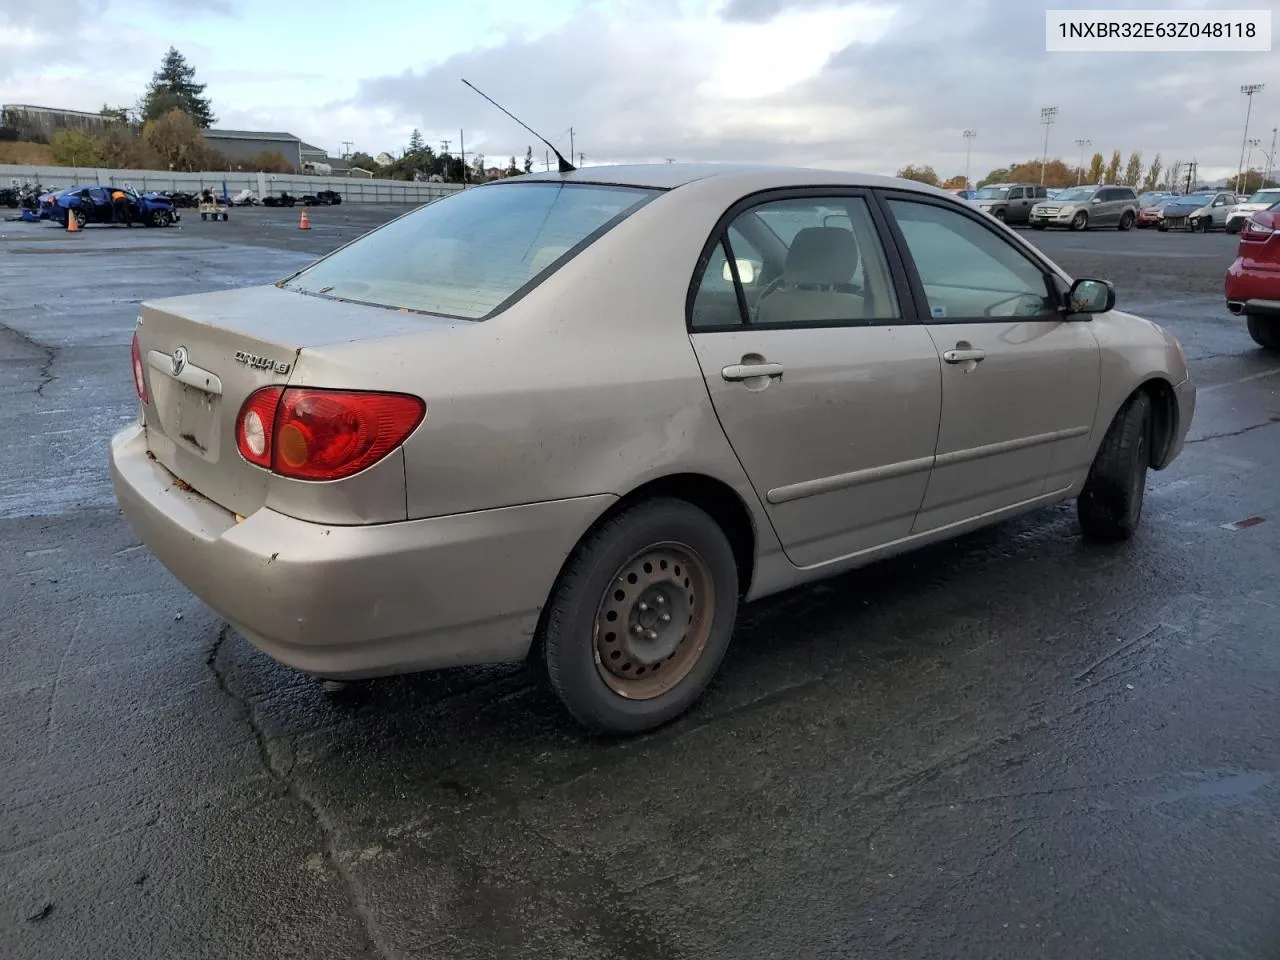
577,418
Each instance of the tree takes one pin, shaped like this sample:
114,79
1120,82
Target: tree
1174,178
125,149
174,85
1152,180
512,170
1096,163
922,174
954,183
477,174
999,175
528,159
74,148
116,114
1251,180
1113,167
178,141
363,161
1133,170
270,161
1056,173
416,143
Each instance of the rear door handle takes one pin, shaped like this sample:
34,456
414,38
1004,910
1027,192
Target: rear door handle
749,371
960,356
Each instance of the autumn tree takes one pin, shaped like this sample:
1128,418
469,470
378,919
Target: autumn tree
1056,173
174,85
1096,164
1133,170
477,174
74,148
922,174
999,175
1152,180
1251,181
1113,167
270,161
124,148
116,114
954,183
177,140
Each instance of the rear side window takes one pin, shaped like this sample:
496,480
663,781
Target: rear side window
470,254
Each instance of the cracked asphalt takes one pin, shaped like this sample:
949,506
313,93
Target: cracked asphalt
1011,745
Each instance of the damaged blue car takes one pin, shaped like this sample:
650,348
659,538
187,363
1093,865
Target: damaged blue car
92,204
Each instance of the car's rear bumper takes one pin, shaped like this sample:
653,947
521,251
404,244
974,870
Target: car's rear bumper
1185,394
1252,287
357,601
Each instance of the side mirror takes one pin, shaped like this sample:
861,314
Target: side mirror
1091,296
1097,199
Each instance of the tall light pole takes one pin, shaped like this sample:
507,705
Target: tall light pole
1047,116
968,143
1082,143
1248,89
1271,158
1248,160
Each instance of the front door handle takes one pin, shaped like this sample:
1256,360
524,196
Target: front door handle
749,371
960,356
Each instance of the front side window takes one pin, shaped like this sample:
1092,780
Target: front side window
465,256
798,261
969,272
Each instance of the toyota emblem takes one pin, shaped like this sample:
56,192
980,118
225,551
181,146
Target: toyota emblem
178,362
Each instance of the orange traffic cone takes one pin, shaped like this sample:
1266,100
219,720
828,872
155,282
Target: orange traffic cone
73,225
303,222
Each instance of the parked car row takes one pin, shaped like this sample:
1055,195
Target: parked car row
87,204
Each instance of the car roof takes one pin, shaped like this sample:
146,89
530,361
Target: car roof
668,176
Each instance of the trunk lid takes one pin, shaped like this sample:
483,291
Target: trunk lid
203,355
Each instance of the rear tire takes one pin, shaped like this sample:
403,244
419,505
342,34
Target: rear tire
624,574
1265,331
1126,221
1110,505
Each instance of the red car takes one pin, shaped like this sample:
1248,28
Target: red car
1253,280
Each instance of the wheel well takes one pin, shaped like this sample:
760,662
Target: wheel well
1164,418
715,498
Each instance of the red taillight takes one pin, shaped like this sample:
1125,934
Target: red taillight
315,434
139,374
1256,230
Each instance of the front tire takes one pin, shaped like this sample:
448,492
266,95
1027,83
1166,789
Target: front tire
641,617
1080,221
1110,505
1265,331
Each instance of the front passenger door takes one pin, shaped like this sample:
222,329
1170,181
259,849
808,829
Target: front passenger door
1019,382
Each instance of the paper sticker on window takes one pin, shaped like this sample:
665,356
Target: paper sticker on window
939,312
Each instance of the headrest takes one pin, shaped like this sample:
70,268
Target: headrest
821,255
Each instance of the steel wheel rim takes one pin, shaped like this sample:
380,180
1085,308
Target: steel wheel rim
654,621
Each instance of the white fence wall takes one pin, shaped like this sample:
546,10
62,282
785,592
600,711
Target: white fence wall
353,189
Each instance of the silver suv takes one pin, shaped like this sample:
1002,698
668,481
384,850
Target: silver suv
1082,207
1010,202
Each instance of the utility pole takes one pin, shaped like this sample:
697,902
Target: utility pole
547,158
1248,89
1047,116
462,149
1081,143
582,159
968,144
571,143
346,148
1271,158
671,159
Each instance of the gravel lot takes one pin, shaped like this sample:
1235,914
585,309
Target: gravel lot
1012,745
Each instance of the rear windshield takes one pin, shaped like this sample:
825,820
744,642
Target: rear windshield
465,256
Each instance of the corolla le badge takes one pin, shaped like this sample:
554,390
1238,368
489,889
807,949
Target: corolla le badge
178,362
262,363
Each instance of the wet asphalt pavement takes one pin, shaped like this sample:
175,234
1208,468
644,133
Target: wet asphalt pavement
1012,745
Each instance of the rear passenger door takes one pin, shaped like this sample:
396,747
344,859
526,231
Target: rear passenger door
827,388
1019,382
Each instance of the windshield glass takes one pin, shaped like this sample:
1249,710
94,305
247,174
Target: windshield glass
1265,196
466,255
1076,193
992,193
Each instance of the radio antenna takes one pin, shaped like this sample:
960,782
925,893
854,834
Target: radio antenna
565,165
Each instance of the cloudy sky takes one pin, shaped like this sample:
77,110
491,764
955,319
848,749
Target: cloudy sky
850,85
